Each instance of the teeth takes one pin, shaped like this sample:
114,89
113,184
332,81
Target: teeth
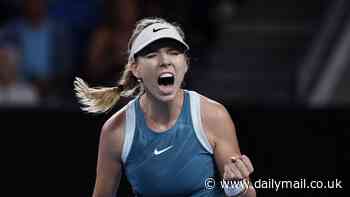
166,75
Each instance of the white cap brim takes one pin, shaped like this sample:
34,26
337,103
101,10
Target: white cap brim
152,33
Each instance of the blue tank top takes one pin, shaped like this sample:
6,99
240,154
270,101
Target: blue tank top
175,162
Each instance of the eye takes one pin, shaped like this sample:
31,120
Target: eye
150,55
174,52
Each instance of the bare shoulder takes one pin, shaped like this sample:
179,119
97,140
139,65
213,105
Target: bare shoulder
212,110
112,133
216,120
115,122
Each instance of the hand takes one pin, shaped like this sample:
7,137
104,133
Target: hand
238,168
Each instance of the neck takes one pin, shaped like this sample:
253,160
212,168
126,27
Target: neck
162,115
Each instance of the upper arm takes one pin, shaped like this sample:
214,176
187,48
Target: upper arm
109,161
221,132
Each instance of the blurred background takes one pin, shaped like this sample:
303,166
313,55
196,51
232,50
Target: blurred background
282,69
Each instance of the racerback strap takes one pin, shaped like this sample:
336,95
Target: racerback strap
197,121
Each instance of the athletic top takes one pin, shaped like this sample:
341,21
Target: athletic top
175,162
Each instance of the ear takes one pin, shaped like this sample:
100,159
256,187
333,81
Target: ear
187,63
186,68
135,69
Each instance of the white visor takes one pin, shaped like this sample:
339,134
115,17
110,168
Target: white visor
152,33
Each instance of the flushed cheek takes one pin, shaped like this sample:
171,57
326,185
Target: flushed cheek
180,73
148,72
180,78
151,80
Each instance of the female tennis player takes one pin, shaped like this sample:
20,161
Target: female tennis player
168,141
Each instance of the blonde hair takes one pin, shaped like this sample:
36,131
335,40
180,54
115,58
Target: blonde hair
102,99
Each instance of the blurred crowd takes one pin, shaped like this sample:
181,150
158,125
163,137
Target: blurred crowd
44,44
258,46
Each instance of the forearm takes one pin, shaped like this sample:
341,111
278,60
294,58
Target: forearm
104,194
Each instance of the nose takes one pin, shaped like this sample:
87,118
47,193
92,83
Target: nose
165,59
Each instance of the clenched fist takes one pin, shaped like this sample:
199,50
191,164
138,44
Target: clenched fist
238,168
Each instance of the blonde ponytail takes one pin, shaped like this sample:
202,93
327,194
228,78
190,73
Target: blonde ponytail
101,99
96,100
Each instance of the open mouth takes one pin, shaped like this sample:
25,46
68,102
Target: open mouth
166,79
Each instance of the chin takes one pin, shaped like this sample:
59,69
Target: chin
167,97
